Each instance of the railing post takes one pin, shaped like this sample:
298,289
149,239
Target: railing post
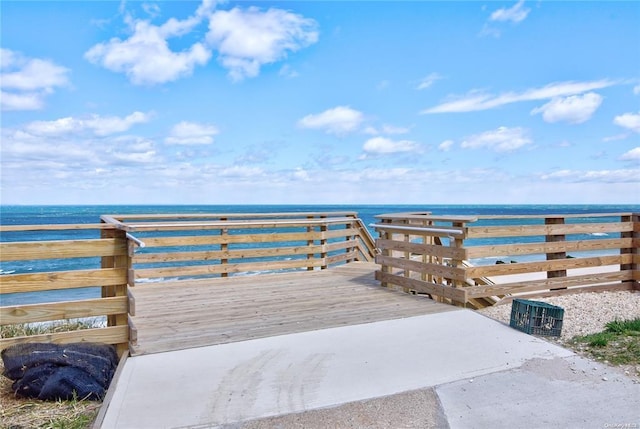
550,238
385,252
634,250
323,242
350,226
224,247
122,261
310,230
427,257
457,242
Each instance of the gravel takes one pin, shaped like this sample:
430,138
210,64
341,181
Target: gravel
584,313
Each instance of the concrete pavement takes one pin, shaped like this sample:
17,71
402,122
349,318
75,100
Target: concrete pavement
458,369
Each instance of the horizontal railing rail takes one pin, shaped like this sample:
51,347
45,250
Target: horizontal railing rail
202,246
477,261
48,275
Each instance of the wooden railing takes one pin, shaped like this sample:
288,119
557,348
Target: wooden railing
124,250
176,247
479,260
100,247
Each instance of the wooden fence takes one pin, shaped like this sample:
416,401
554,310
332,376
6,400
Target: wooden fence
175,247
477,261
104,251
148,248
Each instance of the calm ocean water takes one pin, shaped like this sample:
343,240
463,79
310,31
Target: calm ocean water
21,215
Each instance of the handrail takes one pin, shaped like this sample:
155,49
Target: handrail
416,228
136,240
228,224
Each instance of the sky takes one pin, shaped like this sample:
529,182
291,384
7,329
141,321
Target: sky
320,102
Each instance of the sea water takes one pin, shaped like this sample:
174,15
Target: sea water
81,214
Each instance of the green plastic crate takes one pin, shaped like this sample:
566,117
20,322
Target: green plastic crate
537,318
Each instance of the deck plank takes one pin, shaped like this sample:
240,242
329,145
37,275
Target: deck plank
179,315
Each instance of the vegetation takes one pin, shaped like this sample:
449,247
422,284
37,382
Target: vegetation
618,344
28,329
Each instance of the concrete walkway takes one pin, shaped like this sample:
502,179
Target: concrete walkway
456,369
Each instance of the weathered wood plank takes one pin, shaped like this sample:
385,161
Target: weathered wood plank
424,249
449,292
231,312
423,267
342,257
263,252
433,230
240,308
110,335
165,299
547,247
54,227
213,225
56,280
203,240
559,229
546,284
16,314
58,249
552,265
232,216
203,270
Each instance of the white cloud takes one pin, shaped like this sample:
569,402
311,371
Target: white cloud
636,89
145,57
427,81
574,109
145,157
516,13
384,174
301,174
630,121
187,133
632,155
98,125
476,101
616,137
383,145
603,176
288,72
103,126
151,9
247,39
386,129
26,82
502,139
445,146
392,129
240,172
339,120
67,154
24,101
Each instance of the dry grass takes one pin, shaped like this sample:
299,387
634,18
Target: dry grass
23,413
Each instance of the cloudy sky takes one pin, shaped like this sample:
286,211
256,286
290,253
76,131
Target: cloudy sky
320,102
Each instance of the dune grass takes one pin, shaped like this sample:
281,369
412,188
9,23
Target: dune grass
618,344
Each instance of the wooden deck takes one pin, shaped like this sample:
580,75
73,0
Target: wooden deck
179,315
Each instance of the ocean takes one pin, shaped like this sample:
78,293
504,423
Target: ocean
85,214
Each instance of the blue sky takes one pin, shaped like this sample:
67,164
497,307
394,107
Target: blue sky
320,102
